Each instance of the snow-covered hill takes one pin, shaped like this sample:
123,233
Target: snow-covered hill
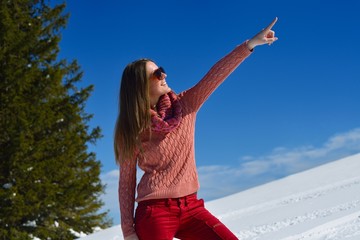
317,204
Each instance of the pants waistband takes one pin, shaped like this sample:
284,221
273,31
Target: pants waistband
169,201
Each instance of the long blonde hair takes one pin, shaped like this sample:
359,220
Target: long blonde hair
134,110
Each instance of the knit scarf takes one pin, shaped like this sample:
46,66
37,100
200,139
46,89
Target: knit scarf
168,115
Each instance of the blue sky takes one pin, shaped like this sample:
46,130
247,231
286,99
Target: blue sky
288,107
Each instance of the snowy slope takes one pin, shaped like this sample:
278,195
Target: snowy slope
317,204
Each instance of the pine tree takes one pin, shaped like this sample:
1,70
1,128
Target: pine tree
49,180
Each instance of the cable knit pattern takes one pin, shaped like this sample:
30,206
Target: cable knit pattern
167,159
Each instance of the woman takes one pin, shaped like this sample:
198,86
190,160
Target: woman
155,130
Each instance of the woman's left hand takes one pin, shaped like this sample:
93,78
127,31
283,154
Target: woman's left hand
266,36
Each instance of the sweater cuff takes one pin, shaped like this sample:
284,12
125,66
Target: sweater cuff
128,231
131,237
243,49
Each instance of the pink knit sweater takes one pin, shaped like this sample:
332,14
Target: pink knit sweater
168,160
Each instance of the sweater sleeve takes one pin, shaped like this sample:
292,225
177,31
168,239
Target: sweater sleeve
127,185
198,94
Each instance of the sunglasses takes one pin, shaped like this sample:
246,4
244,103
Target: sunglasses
159,73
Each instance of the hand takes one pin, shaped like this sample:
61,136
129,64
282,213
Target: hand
132,237
266,36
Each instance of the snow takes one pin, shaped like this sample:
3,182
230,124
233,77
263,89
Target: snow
322,203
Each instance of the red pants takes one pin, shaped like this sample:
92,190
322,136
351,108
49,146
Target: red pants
183,218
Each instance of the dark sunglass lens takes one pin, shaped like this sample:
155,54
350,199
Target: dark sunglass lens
158,72
162,69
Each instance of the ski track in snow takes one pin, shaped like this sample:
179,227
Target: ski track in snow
349,230
296,198
254,232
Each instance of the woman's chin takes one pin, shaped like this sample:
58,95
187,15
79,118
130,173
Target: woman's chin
168,90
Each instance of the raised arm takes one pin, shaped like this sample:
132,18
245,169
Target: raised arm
198,94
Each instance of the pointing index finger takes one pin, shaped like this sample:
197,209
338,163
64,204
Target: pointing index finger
271,24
